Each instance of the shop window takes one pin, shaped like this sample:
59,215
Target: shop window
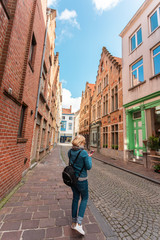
137,73
105,137
114,135
156,60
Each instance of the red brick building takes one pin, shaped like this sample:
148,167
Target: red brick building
22,37
106,130
85,112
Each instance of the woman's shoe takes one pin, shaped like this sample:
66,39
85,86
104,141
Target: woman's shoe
79,229
73,225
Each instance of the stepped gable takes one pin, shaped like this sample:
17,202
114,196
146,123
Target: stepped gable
91,86
115,60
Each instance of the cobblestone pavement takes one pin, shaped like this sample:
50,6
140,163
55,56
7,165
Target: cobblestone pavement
41,208
130,204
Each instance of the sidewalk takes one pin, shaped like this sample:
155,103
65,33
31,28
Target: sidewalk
131,167
41,208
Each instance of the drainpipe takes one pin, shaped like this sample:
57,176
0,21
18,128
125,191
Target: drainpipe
40,78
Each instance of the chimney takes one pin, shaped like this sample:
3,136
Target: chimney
71,108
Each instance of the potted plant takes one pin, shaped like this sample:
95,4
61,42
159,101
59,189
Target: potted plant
116,147
103,146
112,146
153,144
157,168
106,145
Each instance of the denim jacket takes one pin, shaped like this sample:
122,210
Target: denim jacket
83,160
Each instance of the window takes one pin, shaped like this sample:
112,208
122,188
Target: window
114,135
137,73
94,112
99,109
137,115
99,88
105,137
21,123
43,134
114,99
70,118
136,39
106,81
155,20
63,126
102,67
48,136
156,60
70,126
105,105
44,73
63,117
32,51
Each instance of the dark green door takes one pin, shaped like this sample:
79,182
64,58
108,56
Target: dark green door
138,139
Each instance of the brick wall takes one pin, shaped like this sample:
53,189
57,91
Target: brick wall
19,85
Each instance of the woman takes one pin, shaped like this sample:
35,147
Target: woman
83,163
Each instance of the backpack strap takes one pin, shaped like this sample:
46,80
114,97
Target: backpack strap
75,162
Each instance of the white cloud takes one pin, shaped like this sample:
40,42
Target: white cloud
68,100
69,16
52,3
63,81
102,5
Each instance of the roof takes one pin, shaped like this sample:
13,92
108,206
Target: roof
119,60
66,111
115,60
91,86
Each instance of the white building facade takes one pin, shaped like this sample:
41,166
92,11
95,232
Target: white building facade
141,80
67,125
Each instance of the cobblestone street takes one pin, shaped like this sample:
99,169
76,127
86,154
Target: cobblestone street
130,204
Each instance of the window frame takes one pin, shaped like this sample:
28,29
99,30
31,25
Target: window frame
153,59
131,71
136,39
157,9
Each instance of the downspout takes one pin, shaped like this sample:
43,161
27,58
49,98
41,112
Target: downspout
40,78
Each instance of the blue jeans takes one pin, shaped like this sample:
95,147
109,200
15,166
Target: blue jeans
81,190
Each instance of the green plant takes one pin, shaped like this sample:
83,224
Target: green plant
106,145
103,146
157,167
116,147
153,143
112,146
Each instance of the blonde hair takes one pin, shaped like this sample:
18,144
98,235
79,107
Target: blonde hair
78,140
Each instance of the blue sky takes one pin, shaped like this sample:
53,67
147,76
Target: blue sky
83,27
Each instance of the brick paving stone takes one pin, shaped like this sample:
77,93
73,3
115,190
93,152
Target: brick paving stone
43,208
39,215
10,226
33,235
19,210
92,228
30,224
46,223
55,214
11,236
54,232
18,216
62,221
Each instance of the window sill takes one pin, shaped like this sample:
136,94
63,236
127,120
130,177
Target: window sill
139,84
155,76
105,115
22,140
153,31
12,97
114,111
31,66
136,48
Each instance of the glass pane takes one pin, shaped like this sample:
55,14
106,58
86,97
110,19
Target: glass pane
134,77
133,42
156,50
137,64
139,36
154,21
157,64
140,74
137,115
140,124
140,138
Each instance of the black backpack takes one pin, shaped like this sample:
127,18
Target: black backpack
68,174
